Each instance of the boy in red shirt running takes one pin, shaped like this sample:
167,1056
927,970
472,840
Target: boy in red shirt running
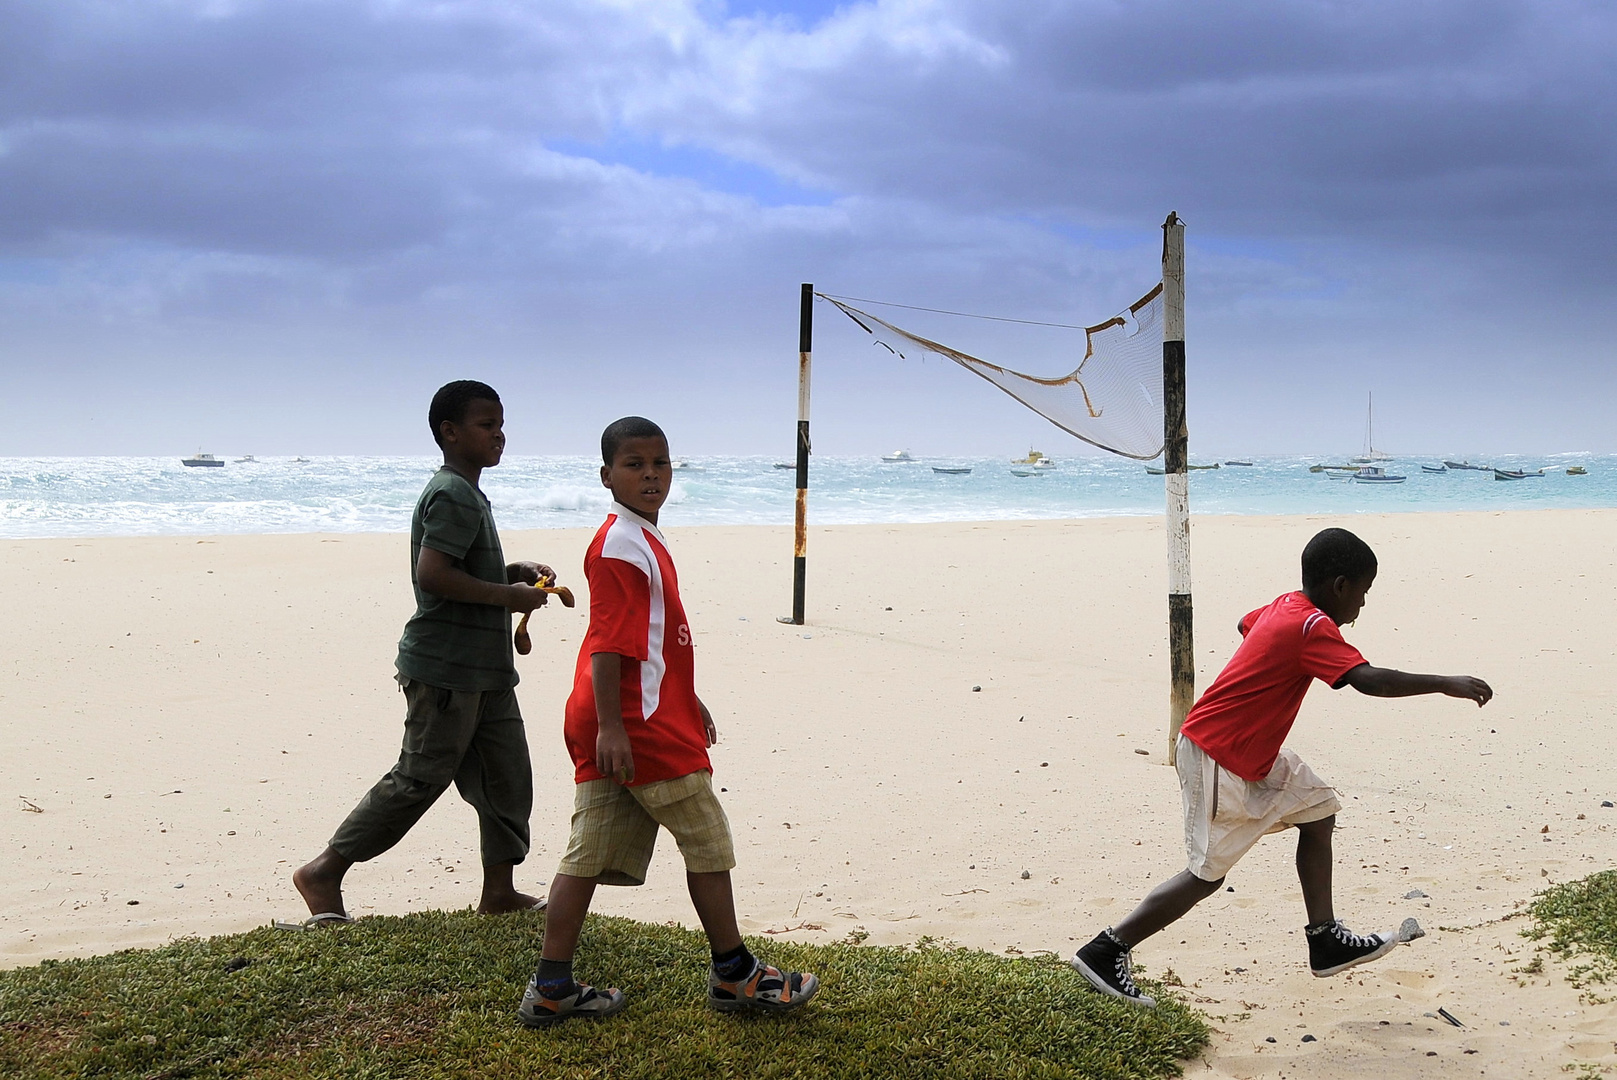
638,735
1236,780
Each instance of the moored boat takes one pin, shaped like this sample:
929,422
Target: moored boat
1577,470
1434,468
959,471
1515,474
897,456
1467,465
1374,474
1247,464
203,461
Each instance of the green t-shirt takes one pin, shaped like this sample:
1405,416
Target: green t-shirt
448,643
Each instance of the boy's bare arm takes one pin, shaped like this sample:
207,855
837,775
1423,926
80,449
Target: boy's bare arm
1385,682
437,573
613,756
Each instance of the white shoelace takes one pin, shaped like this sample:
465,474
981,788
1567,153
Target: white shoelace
1125,975
1349,938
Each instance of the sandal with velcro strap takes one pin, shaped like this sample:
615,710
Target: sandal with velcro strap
584,1003
767,989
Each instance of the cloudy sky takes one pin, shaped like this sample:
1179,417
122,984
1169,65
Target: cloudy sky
276,227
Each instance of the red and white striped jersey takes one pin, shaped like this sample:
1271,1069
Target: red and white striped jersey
635,612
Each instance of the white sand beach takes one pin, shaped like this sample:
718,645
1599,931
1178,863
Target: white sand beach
184,721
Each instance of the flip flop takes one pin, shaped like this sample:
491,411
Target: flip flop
314,922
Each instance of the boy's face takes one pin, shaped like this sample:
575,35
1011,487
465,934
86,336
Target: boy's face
640,474
1347,597
478,438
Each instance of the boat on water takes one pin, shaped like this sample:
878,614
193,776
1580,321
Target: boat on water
685,466
958,471
1467,465
1244,464
300,461
1214,465
784,465
1333,468
1434,468
1371,454
1036,459
1577,470
203,461
1375,474
898,457
247,459
1027,472
1515,474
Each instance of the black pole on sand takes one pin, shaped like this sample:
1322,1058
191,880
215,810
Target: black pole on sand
805,347
1176,454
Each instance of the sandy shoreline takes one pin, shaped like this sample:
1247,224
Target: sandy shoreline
201,713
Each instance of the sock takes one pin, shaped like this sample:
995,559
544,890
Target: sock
1315,929
1112,939
735,964
554,978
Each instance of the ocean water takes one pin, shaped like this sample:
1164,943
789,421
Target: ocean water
128,496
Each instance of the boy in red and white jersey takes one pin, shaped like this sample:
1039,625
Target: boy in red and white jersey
1238,782
638,736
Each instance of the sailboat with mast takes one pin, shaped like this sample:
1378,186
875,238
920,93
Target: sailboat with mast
1371,454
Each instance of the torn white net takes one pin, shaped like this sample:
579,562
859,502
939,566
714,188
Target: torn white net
1113,399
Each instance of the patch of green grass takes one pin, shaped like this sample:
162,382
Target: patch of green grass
1580,920
434,995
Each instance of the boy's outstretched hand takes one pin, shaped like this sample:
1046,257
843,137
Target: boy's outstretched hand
1469,687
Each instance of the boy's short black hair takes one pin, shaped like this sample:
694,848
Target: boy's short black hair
1334,553
621,431
450,402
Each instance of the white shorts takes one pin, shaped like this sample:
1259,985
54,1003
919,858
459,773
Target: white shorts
1225,815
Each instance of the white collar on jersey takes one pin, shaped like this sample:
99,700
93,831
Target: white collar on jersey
624,512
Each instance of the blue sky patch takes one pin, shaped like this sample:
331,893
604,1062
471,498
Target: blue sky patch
711,169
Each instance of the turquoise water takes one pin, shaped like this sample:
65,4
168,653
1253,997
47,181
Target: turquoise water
124,496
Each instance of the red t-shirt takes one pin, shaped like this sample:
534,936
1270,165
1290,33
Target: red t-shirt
635,612
1246,714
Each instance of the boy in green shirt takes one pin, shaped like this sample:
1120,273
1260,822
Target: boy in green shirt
455,667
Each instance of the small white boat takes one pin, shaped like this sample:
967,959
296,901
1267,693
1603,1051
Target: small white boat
203,461
959,470
784,465
247,459
1027,472
897,456
685,466
1374,474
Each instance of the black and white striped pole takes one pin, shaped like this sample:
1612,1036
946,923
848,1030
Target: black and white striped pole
805,347
1176,477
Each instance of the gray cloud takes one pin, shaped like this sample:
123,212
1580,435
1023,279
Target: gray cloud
1400,187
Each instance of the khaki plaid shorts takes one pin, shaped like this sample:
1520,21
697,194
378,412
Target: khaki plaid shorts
615,828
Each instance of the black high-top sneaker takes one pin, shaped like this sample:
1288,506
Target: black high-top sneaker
1105,963
1332,947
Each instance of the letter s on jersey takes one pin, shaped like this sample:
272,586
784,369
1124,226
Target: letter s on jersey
684,634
